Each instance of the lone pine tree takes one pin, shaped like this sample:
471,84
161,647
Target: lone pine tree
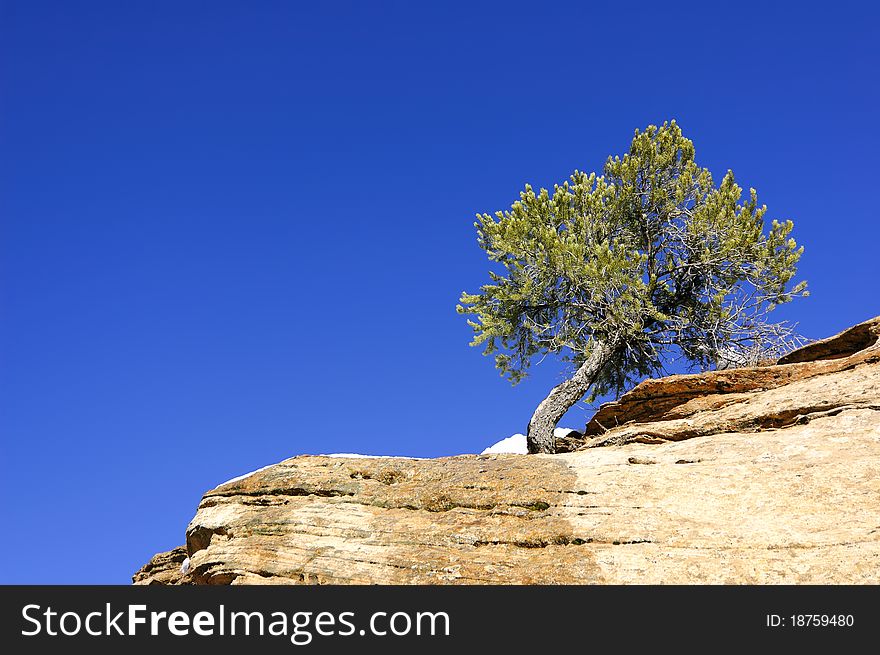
620,272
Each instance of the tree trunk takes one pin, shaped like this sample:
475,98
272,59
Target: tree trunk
540,437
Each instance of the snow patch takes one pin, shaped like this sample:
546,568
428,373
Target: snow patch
184,568
516,444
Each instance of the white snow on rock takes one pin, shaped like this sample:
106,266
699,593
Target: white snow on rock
516,444
184,568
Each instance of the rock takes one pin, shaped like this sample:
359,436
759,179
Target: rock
757,476
850,341
568,440
163,568
844,375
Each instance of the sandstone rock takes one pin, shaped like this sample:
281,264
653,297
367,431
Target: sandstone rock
845,374
764,475
163,568
850,341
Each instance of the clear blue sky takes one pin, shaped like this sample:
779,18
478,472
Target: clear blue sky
233,232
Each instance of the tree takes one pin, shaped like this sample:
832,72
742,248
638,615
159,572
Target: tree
619,273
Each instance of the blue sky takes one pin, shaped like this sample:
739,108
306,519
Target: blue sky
235,232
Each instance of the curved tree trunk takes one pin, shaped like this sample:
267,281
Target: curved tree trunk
563,396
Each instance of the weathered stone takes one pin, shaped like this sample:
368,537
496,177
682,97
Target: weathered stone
764,475
850,341
163,568
747,399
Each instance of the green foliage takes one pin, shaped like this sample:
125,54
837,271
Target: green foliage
651,256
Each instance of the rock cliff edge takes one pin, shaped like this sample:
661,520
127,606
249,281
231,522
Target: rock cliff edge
753,475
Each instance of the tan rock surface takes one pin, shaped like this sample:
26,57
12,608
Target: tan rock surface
163,568
684,406
767,475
